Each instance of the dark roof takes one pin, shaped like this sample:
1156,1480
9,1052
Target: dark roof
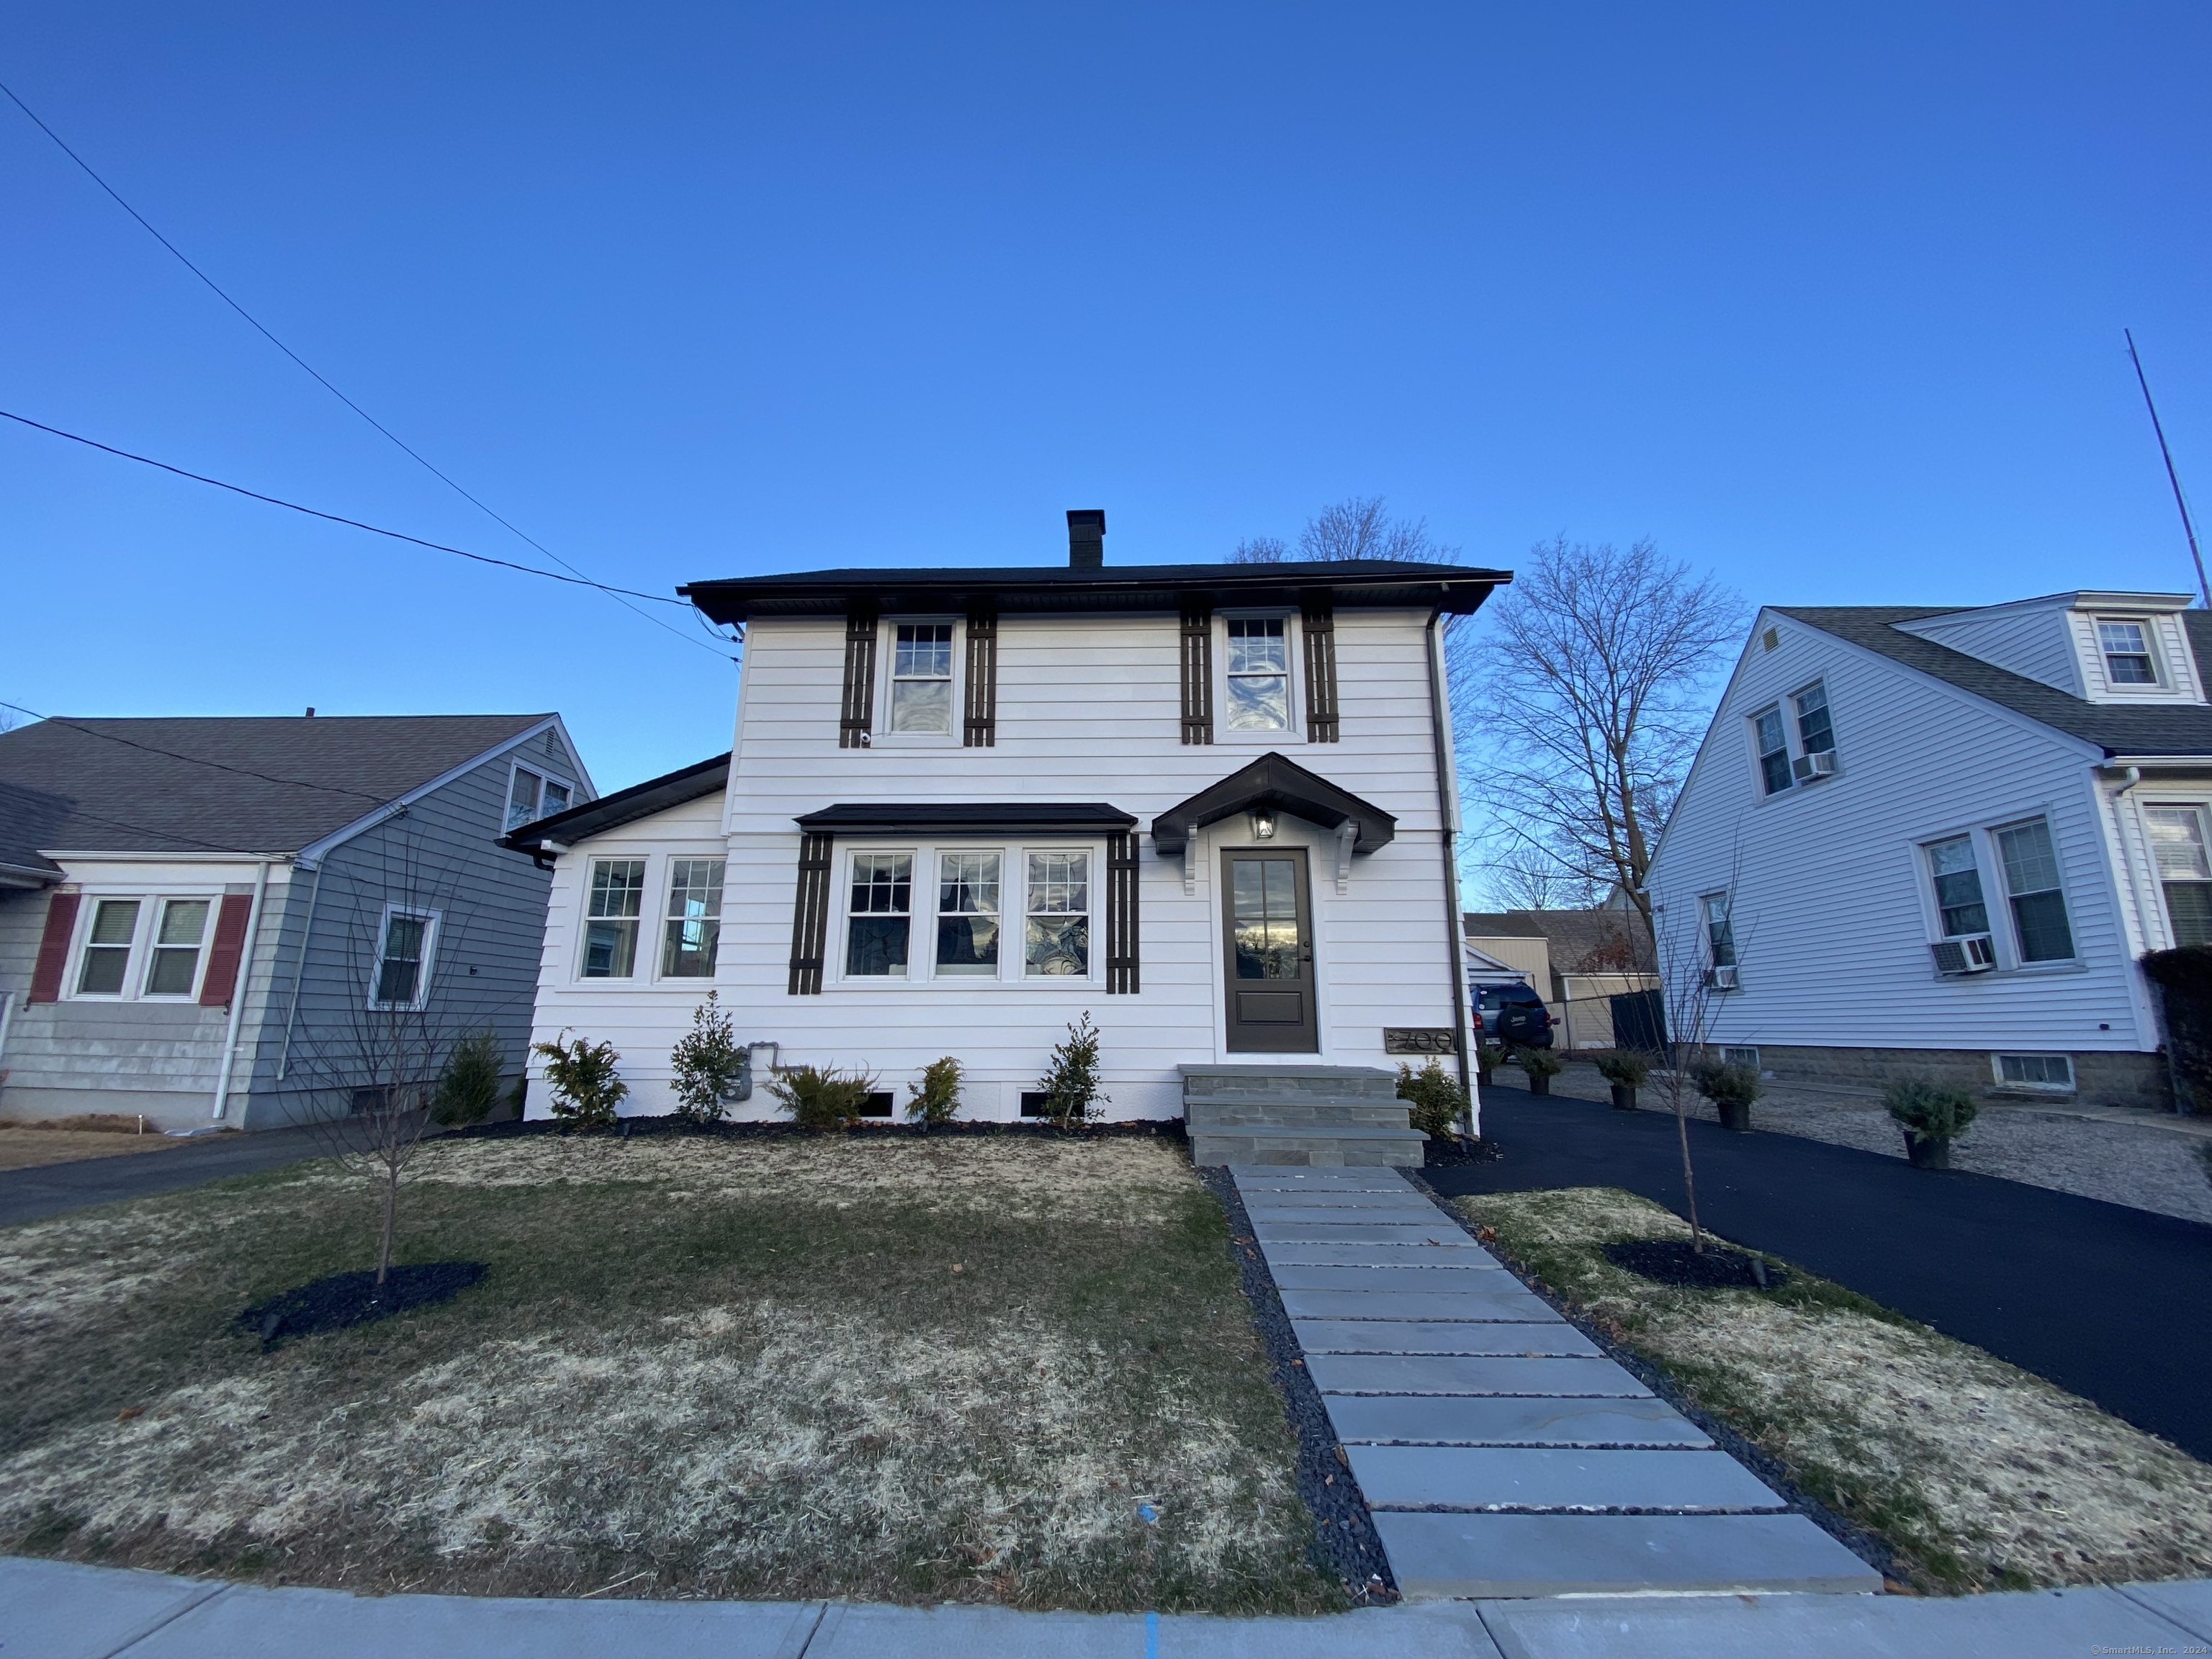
931,817
1603,941
1277,781
186,785
1348,583
639,800
2119,729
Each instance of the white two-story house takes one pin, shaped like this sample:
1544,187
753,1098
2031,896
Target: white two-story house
1209,805
1922,842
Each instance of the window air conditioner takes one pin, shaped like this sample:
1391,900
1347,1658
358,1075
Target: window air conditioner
1721,979
1976,953
1806,768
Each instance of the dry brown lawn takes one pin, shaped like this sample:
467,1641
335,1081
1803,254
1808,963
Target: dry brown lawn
1980,1476
947,1370
25,1146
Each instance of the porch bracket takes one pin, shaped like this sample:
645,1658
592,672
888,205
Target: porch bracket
1346,833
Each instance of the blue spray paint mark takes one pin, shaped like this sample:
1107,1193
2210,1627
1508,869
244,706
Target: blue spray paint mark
1151,1636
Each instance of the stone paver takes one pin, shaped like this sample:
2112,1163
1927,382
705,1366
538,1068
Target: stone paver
1501,1454
1319,1336
1509,1420
1555,1477
2189,1605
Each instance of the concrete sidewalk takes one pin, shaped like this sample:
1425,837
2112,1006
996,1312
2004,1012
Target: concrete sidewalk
57,1610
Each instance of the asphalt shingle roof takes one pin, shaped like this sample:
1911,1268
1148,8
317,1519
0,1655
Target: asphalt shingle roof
1582,941
2119,729
247,784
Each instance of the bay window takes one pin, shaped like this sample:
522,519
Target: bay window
610,918
881,912
968,913
694,923
1057,935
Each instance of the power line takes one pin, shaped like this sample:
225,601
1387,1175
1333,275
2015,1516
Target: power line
620,595
356,524
2188,527
196,760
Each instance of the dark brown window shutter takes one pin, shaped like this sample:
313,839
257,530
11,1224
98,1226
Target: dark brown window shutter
810,916
1197,676
980,730
220,979
53,948
1122,978
1319,627
853,727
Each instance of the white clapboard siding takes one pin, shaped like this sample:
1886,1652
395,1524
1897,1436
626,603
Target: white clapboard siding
1832,918
1089,710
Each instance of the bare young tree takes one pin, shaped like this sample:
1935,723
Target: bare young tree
1357,527
1582,697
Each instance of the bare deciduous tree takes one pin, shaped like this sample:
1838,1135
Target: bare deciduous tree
1357,527
1582,695
1521,877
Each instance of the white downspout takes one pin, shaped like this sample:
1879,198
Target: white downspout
6,1016
240,988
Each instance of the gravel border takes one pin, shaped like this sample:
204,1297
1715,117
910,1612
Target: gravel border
1344,1543
1868,1546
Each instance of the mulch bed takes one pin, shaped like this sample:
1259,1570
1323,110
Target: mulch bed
355,1299
670,1125
1679,1262
1344,1532
1460,1149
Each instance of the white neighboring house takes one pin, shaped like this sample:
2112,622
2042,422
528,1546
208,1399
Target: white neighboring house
1208,804
1922,842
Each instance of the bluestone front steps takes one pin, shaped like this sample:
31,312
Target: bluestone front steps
1499,1452
1312,1116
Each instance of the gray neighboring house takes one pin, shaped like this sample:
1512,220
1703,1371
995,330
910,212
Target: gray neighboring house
244,922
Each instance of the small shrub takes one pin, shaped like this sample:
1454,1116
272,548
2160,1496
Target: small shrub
1438,1104
1933,1111
937,1096
1725,1084
1539,1062
581,1075
469,1086
1070,1082
1625,1067
823,1098
709,1061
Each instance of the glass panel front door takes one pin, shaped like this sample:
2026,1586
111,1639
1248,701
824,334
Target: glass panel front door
1267,952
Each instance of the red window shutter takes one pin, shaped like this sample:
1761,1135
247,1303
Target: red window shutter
229,945
53,948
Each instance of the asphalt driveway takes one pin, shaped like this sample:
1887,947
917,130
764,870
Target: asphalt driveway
2107,1301
50,1188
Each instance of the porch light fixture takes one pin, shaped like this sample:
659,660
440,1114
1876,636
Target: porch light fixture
1263,823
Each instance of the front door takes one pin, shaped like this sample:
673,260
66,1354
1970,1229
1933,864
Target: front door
1266,952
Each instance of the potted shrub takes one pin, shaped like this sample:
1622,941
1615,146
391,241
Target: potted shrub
1730,1088
1541,1064
1932,1115
1488,1057
1625,1070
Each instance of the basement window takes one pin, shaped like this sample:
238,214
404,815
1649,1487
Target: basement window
2052,1072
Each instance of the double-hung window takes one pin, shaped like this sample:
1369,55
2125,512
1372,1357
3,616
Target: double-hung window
108,943
178,937
1773,744
531,796
1259,680
2178,842
881,915
403,958
695,919
1057,935
968,913
921,678
1956,877
1720,933
610,918
2126,651
2037,896
1816,735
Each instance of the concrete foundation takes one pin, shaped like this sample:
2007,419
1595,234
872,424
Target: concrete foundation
2101,1078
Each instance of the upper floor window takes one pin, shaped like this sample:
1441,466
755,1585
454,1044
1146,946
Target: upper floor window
1720,933
694,928
2185,872
1816,735
531,795
402,959
1773,744
2037,895
1960,908
921,678
1259,679
2126,649
610,918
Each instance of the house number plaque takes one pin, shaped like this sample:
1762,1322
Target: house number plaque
1419,1040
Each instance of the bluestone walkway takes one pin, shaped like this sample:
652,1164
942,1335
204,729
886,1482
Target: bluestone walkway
2101,1298
1499,1452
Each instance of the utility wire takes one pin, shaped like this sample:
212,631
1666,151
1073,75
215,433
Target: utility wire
196,760
374,530
621,595
2180,500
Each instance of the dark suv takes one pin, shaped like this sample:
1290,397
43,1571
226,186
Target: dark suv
1514,1014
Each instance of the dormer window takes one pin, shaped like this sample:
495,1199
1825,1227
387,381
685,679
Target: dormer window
2127,652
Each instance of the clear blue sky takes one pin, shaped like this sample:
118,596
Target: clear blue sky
1828,299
